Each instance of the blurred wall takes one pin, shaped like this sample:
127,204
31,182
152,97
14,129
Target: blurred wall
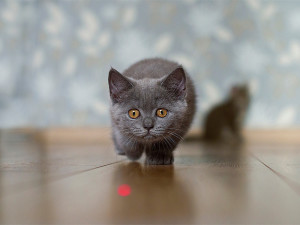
55,55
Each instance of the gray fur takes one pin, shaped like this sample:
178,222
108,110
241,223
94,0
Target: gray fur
151,85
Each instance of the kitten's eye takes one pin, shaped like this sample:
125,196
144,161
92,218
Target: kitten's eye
134,113
161,112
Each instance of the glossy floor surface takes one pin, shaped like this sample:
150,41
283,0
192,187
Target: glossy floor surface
257,183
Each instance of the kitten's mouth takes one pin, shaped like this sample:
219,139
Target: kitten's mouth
151,136
148,136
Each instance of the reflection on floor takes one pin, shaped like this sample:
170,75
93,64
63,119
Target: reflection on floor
72,183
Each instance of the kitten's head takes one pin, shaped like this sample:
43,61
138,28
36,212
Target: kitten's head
240,96
148,109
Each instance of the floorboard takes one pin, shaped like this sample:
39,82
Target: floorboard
254,183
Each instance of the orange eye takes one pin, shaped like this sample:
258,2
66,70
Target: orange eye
161,112
134,113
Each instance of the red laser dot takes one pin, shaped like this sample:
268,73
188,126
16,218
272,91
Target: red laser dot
124,190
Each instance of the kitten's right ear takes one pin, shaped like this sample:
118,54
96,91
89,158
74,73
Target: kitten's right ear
118,84
176,82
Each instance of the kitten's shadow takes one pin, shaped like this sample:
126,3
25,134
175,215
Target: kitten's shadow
157,196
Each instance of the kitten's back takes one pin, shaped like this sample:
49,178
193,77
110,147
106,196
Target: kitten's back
150,68
157,68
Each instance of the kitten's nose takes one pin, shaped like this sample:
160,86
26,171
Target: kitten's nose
148,123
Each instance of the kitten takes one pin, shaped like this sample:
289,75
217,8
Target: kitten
226,119
152,107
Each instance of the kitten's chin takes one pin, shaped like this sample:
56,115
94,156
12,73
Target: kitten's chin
150,137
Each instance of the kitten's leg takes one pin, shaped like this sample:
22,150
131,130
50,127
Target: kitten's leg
135,151
126,146
160,154
116,136
235,128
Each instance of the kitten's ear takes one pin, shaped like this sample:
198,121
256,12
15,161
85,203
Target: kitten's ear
176,81
118,84
234,89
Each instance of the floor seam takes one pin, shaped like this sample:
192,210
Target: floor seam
86,170
291,184
35,183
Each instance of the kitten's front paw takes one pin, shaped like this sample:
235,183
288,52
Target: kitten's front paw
134,154
160,160
120,152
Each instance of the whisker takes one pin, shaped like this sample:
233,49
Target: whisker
175,135
171,139
167,142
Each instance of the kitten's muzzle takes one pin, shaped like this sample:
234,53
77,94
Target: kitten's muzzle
148,123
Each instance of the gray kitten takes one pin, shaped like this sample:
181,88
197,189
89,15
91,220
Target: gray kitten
225,120
152,107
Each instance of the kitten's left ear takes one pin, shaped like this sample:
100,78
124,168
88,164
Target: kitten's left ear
118,85
176,81
235,91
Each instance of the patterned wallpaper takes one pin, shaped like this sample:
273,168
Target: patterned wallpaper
55,55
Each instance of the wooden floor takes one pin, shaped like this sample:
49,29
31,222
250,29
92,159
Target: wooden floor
65,183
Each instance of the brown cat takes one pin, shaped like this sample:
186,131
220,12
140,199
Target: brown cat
225,120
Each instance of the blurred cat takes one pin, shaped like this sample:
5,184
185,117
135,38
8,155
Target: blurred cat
225,120
152,107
